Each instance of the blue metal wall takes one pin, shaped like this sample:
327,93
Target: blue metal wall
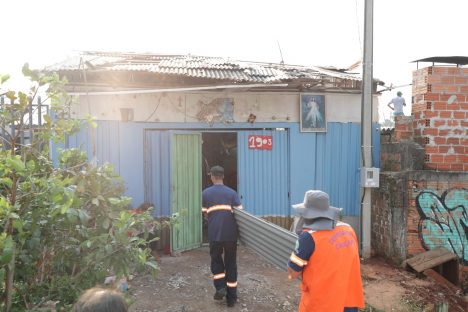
105,146
330,162
263,175
327,161
157,173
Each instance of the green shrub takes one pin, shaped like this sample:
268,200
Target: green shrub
62,229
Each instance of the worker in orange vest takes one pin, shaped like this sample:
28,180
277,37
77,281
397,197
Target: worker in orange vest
327,257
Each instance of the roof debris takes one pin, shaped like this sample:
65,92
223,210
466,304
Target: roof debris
204,67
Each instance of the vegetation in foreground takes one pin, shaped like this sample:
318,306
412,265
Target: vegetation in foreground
63,228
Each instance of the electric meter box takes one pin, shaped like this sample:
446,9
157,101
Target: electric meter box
370,177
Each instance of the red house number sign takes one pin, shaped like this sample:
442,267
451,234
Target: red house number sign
263,142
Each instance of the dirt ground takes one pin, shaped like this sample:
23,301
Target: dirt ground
388,288
184,284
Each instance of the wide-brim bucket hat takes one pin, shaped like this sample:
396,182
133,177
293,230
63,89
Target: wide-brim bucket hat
316,205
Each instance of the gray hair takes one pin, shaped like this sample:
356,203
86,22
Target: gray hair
99,299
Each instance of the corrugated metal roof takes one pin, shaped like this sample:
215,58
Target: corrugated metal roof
216,68
459,60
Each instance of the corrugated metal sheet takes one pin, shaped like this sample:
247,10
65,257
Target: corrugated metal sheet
272,242
107,143
263,175
81,140
186,191
198,66
337,156
284,222
337,164
157,173
104,146
132,160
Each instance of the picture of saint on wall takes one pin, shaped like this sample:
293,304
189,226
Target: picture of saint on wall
313,118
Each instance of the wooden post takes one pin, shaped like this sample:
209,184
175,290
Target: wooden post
10,274
442,307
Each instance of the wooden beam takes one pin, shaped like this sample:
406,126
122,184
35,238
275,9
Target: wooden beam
430,259
436,277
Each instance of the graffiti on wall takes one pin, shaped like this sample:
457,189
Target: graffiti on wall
443,221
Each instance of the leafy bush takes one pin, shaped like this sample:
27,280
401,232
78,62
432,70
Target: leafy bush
62,229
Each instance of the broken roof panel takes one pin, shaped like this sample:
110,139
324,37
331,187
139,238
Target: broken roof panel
215,68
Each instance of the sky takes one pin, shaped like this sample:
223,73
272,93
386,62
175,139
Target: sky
312,32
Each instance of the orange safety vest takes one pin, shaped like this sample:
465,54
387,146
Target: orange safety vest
331,280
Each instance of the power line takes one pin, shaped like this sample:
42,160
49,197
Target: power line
358,27
281,53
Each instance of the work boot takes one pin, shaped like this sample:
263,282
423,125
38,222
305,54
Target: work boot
220,294
231,296
231,302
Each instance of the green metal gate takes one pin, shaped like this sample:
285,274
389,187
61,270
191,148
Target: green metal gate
186,190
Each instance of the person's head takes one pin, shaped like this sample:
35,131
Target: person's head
217,174
101,300
399,93
316,205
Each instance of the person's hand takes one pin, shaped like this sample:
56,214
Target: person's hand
292,275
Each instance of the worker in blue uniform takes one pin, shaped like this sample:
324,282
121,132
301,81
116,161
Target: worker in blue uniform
218,201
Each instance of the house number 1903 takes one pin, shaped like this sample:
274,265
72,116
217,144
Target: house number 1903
263,142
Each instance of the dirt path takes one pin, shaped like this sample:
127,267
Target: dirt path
184,285
392,289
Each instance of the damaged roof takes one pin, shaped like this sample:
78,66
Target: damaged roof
201,67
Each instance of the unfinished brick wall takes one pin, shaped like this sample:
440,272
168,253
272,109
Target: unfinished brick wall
437,213
389,217
404,128
401,156
415,211
440,116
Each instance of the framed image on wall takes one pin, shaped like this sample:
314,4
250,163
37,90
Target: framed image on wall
312,113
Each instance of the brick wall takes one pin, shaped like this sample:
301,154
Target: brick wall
440,116
415,211
401,156
437,212
389,217
437,216
404,128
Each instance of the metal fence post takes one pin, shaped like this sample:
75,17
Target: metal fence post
31,122
39,110
12,126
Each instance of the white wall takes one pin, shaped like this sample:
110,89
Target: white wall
183,107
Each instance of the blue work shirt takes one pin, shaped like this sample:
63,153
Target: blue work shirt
218,201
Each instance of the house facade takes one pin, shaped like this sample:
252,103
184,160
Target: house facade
164,120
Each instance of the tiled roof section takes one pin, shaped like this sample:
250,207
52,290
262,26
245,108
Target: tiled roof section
198,67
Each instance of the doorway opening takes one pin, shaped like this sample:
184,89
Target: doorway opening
218,148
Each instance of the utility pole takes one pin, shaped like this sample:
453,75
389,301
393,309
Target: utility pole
366,127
